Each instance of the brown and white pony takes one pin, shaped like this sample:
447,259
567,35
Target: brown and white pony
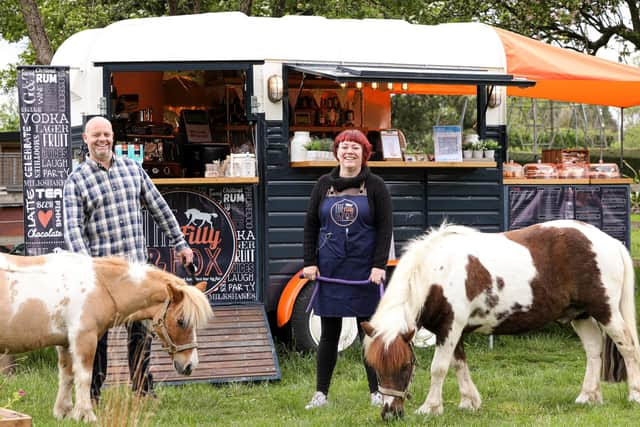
69,300
456,280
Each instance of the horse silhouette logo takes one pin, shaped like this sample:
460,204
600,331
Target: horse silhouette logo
194,215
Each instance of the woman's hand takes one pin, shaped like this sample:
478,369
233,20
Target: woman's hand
311,272
377,275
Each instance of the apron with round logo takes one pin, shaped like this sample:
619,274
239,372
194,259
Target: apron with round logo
345,251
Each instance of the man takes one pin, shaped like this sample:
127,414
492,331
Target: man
103,201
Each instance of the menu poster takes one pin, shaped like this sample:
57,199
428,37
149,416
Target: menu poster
218,223
589,205
391,149
615,218
523,207
447,142
605,207
532,205
45,139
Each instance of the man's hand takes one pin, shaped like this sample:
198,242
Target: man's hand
186,256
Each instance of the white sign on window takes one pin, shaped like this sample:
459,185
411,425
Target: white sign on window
447,142
391,144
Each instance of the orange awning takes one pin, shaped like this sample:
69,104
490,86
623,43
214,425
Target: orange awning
567,75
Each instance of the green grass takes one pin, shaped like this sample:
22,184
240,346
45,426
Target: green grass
635,236
527,380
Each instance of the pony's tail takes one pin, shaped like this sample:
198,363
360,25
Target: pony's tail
613,367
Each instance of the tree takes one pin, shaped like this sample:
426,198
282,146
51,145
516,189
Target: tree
585,26
9,118
37,33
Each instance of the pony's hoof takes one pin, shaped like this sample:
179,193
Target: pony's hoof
589,398
469,404
430,409
85,415
60,412
634,396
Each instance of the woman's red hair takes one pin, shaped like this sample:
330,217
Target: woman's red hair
353,135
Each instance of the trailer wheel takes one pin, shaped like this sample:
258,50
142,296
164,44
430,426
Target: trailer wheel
305,327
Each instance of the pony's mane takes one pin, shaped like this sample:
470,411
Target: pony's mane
196,309
387,358
405,296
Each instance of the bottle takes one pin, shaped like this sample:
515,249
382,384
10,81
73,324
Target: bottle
322,114
349,115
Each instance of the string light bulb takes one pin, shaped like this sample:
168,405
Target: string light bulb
374,85
359,85
343,85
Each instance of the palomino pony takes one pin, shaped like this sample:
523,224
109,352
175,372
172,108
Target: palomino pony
456,280
69,300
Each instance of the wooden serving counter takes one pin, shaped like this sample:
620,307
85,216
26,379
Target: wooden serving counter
557,181
206,181
399,164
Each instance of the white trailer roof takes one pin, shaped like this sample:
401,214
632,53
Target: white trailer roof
233,36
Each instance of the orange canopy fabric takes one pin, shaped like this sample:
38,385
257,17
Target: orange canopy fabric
566,75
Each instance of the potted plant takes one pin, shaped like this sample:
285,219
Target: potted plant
478,150
319,149
490,146
467,150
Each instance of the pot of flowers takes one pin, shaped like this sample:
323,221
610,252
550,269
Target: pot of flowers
467,150
490,146
478,150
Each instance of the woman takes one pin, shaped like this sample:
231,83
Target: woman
347,234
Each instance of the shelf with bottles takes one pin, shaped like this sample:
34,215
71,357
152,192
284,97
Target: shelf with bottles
326,109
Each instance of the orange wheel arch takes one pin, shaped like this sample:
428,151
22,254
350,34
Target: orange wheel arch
290,294
288,298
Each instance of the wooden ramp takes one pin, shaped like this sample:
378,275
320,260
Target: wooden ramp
235,346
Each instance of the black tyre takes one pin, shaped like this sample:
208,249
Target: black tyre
305,327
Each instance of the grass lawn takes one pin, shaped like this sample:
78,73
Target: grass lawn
527,380
635,236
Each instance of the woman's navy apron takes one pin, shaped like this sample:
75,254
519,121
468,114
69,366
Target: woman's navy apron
346,246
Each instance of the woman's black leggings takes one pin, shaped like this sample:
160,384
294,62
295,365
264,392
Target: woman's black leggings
328,354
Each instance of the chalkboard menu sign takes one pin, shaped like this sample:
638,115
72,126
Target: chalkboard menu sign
605,206
218,222
45,138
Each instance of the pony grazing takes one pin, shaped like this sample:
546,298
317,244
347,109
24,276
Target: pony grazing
69,300
456,280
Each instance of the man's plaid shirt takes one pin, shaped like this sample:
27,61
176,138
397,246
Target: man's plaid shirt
103,210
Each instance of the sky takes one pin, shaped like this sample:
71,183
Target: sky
9,54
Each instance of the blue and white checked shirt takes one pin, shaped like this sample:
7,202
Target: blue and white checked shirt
103,210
